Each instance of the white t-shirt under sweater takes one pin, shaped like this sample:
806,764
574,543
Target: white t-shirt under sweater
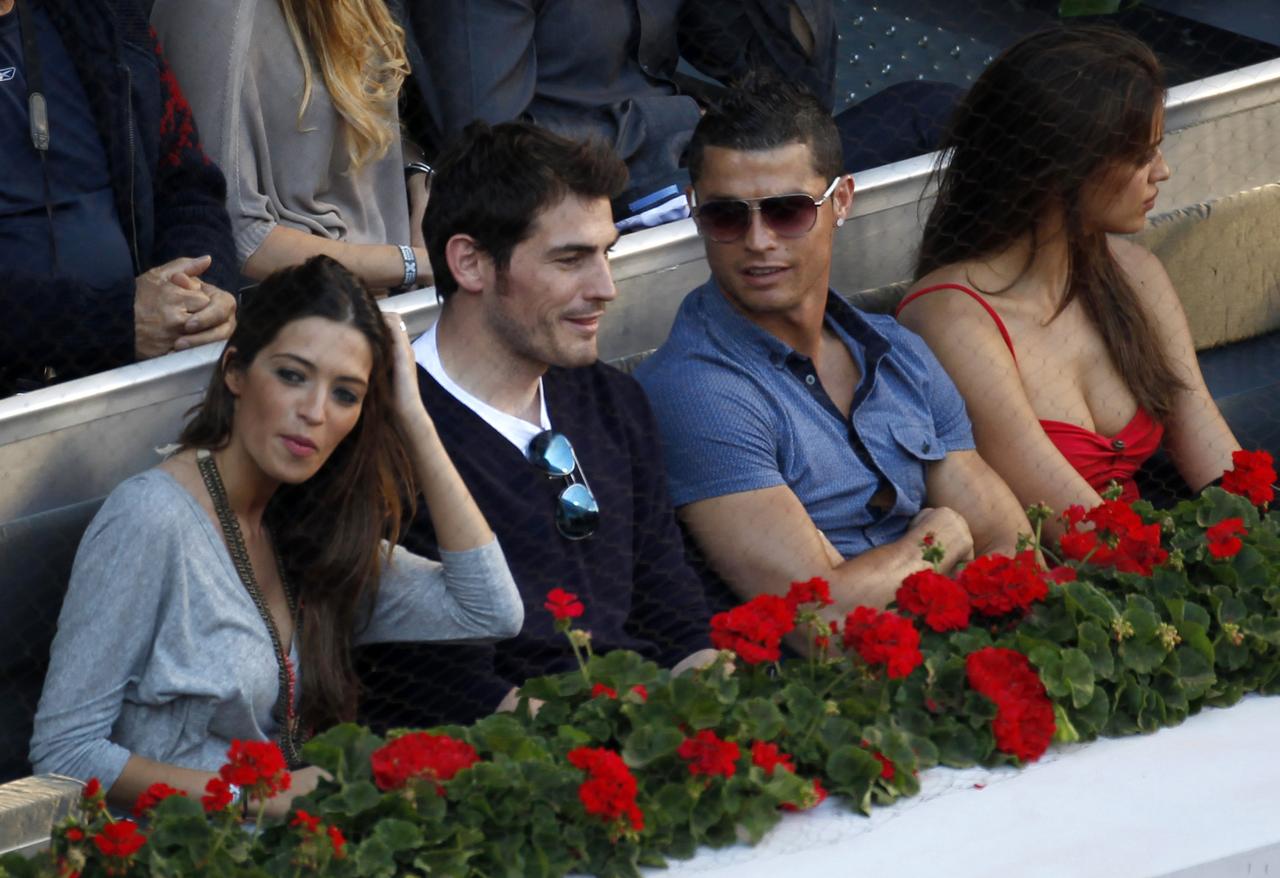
517,431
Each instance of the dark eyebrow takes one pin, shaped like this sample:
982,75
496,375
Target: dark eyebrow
575,248
304,362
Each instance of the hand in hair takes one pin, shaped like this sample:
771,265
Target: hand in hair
458,522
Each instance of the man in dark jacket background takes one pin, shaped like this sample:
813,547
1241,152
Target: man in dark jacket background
115,244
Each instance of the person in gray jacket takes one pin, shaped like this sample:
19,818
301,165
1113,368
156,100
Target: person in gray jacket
217,596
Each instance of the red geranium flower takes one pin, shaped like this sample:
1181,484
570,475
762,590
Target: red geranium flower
74,834
939,601
997,584
709,755
601,689
1024,727
217,795
1223,538
754,630
769,757
822,641
1253,476
1024,722
257,767
563,605
1062,575
420,755
120,840
338,841
883,638
816,797
1119,538
91,789
609,792
887,771
641,692
308,822
152,796
815,591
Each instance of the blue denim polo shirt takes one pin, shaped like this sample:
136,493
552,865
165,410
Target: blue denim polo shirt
740,410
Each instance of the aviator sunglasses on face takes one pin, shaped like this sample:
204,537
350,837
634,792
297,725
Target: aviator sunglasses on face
577,513
788,216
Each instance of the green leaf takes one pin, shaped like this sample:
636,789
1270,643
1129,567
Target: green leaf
836,731
1077,671
358,797
1086,599
1252,570
697,704
1143,655
1092,718
850,765
1216,504
803,705
1265,627
957,745
374,859
1096,644
1195,671
649,743
1048,660
343,751
759,719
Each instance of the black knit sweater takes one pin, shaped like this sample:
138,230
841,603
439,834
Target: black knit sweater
631,573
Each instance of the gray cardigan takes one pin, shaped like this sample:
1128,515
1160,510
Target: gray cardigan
161,652
240,70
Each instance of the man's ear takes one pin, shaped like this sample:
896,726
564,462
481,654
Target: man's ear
232,372
842,199
470,266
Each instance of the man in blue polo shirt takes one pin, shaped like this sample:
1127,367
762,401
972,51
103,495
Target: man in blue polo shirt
804,437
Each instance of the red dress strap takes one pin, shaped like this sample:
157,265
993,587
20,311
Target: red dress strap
1004,333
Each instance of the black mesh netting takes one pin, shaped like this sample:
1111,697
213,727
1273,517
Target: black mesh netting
898,71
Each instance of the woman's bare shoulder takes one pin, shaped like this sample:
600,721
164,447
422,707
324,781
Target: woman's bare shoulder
931,308
1145,272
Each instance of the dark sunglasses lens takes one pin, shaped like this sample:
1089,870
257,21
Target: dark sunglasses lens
552,453
724,220
577,514
789,215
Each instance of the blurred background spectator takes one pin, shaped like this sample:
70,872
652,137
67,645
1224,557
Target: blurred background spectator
300,102
114,241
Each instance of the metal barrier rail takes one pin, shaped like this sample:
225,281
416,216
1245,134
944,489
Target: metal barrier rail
78,440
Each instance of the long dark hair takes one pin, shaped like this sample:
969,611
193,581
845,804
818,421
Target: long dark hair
1054,112
328,529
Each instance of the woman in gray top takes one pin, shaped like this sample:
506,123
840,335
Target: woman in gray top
217,596
296,101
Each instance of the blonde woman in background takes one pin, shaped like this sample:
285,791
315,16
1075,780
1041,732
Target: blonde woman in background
299,102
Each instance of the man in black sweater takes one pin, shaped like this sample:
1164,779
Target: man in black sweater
518,229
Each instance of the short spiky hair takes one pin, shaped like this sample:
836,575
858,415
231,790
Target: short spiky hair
765,112
493,183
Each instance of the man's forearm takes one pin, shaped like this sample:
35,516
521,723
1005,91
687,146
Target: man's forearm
872,578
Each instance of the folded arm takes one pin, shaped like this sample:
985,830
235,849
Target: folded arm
761,541
1196,435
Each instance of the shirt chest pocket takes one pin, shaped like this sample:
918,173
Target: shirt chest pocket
915,445
917,440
